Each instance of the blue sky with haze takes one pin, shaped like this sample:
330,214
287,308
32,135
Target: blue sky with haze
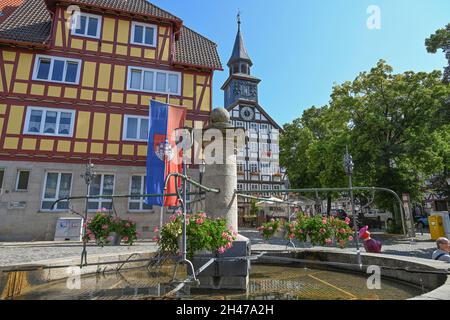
300,48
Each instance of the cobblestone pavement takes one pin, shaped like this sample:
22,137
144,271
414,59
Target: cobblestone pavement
32,252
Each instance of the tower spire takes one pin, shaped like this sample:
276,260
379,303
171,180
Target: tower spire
239,54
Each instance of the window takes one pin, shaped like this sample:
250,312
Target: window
86,25
240,167
57,185
101,185
149,80
255,187
136,128
253,127
137,187
2,175
265,168
254,146
22,180
240,186
253,167
264,127
239,124
49,122
143,34
55,69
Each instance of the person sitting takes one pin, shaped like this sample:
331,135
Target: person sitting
443,250
371,245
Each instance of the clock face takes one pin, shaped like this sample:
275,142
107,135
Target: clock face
247,113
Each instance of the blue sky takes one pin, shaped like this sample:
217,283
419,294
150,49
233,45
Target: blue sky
300,48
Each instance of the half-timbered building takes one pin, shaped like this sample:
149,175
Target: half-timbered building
76,79
258,161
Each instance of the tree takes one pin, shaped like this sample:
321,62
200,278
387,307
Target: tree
441,40
391,123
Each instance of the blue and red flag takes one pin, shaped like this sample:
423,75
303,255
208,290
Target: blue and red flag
163,156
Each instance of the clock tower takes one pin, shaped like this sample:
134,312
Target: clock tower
258,164
240,85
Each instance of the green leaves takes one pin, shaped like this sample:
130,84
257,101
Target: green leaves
396,127
438,40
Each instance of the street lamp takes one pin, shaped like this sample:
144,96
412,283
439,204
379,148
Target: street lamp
202,169
348,167
88,176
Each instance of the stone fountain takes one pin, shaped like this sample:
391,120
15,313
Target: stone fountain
232,269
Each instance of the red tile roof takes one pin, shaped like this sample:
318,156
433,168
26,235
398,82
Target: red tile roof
30,24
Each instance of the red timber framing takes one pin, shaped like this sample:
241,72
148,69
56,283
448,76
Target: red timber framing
110,101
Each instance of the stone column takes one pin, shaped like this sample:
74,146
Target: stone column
222,175
232,274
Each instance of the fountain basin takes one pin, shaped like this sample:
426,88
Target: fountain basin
416,279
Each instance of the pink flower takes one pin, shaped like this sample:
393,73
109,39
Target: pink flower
188,221
347,220
84,225
291,236
300,231
328,241
155,238
324,220
322,230
105,227
199,221
125,239
172,218
270,228
155,229
272,220
235,234
127,225
350,238
179,212
110,239
202,214
103,209
229,245
221,250
230,238
224,235
342,230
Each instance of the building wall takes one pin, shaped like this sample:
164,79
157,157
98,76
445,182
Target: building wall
29,223
100,101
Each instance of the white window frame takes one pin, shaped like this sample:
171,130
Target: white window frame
141,201
52,63
125,127
88,16
144,25
100,200
41,128
58,184
155,71
17,180
239,124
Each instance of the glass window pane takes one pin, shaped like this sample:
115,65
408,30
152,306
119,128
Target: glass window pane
134,206
80,27
58,70
64,123
132,128
160,82
72,70
22,184
173,83
138,34
50,186
144,129
107,205
93,205
47,205
50,122
135,82
135,186
149,33
148,80
94,188
2,174
43,69
108,185
62,205
64,185
35,121
92,27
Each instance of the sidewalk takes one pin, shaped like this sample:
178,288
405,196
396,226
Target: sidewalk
31,252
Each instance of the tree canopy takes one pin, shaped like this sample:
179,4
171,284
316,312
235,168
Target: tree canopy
438,40
391,123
